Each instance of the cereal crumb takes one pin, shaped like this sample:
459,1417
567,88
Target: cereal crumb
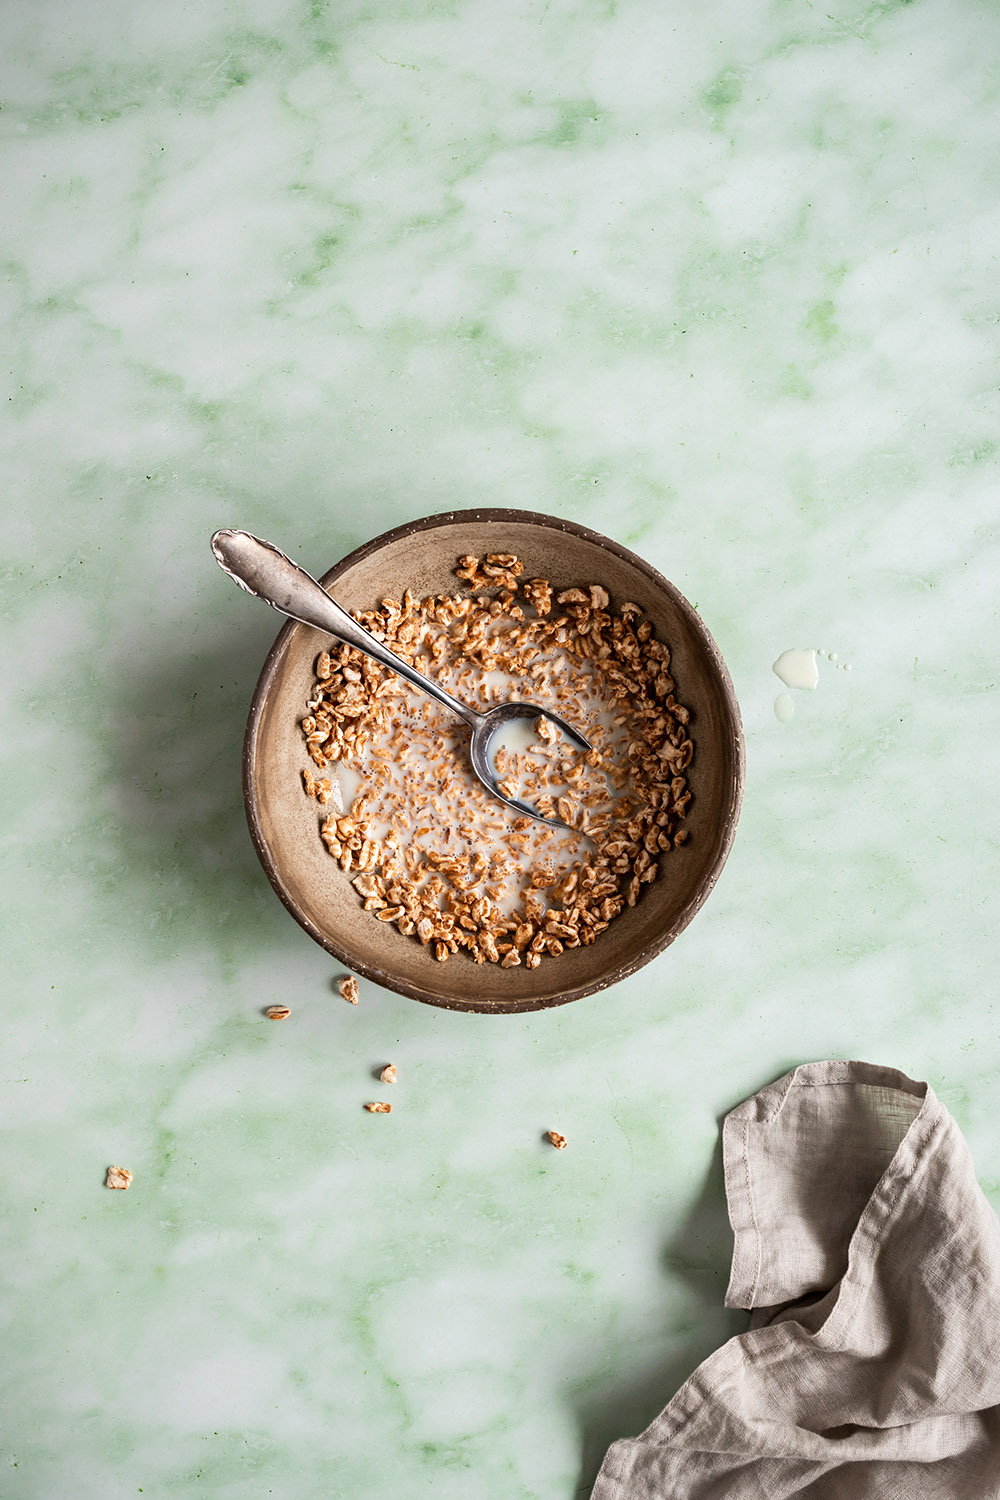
379,1109
119,1177
349,989
388,1074
277,1012
559,1141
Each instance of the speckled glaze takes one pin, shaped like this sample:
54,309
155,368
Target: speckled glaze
421,555
718,281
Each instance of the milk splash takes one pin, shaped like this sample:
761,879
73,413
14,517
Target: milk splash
798,669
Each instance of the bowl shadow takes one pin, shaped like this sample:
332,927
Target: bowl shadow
177,799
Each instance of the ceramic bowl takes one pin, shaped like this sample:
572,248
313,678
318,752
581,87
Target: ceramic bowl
422,555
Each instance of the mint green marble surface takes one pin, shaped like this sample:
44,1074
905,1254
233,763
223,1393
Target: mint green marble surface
717,280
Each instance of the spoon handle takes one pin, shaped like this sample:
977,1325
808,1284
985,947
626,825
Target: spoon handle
263,570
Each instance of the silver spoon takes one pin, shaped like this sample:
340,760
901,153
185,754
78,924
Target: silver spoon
263,570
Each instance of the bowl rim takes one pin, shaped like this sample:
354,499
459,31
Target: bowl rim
725,837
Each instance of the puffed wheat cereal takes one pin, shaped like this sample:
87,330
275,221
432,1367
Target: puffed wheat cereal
426,847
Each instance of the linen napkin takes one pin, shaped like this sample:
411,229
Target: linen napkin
871,1262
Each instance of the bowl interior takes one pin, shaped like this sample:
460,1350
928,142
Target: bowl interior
284,822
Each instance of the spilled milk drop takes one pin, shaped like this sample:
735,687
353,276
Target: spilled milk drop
784,708
796,669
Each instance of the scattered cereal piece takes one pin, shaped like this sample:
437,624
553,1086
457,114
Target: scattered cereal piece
379,1109
119,1177
559,1141
388,1074
349,989
277,1012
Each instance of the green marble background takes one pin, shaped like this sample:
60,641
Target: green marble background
718,280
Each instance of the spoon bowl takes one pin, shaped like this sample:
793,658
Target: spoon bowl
492,722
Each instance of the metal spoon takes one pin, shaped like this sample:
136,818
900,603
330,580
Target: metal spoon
263,570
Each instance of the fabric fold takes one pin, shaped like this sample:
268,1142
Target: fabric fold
869,1259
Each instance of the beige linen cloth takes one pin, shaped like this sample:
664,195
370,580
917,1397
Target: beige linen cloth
871,1260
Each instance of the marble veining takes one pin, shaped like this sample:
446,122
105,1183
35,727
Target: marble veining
719,281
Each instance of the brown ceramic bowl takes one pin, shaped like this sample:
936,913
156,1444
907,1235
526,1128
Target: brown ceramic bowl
319,895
